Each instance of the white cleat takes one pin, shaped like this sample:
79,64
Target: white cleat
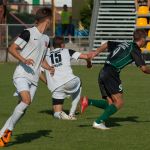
72,117
100,126
63,116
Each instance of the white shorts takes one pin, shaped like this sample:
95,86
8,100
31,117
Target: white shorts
68,88
22,84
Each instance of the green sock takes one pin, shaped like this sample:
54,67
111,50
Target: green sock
98,103
111,109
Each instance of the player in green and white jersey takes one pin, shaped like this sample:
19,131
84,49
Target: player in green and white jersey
121,54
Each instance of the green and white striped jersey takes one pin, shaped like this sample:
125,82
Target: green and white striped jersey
124,53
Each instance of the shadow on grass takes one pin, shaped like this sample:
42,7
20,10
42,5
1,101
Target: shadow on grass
114,121
50,112
84,125
29,137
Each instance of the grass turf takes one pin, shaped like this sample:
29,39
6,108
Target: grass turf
38,130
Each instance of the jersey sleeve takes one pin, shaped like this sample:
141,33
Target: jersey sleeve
74,54
112,45
23,39
138,58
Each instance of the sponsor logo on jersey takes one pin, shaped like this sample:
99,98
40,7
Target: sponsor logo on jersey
120,88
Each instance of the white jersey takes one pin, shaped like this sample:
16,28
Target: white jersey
34,46
61,60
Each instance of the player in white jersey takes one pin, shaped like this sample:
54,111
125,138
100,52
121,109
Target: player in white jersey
63,82
34,44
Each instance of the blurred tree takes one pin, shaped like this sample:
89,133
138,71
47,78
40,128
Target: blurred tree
86,13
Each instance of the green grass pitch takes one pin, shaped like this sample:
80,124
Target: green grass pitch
38,130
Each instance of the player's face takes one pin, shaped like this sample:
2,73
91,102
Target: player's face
49,22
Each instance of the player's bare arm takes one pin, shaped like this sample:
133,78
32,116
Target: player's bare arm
46,66
13,49
102,48
87,57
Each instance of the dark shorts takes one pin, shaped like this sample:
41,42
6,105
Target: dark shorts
109,81
65,29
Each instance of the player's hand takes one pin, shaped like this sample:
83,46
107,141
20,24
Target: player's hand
92,54
29,62
51,70
89,63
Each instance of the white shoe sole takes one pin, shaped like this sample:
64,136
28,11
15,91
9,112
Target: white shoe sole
101,128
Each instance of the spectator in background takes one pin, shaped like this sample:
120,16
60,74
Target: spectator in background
141,3
2,21
2,12
66,19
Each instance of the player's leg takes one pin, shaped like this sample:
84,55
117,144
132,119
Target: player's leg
9,119
5,127
24,92
58,97
8,122
73,88
57,107
110,110
58,111
75,100
16,115
64,28
100,103
114,90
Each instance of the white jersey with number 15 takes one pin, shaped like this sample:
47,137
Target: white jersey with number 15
60,58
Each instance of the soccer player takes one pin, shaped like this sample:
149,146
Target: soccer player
63,82
34,44
121,54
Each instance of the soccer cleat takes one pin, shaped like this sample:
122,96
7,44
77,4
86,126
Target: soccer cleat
72,117
84,103
6,136
2,144
100,126
63,116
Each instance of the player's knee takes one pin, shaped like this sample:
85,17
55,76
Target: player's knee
25,97
27,101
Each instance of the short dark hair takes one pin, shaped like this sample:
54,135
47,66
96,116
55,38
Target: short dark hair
65,6
57,41
43,13
139,34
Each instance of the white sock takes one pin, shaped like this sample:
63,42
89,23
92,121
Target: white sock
5,127
75,101
57,115
17,114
